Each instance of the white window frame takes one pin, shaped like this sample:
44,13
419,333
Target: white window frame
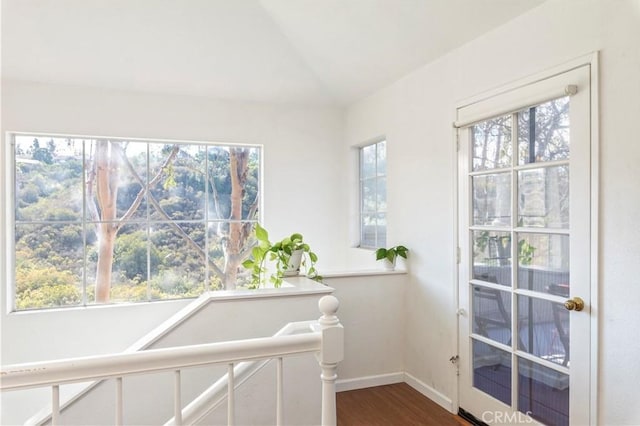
10,199
378,242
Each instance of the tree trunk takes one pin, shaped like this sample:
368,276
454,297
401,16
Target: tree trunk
238,159
106,178
106,243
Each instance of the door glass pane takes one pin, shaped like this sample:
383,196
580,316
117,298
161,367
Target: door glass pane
492,199
492,143
543,132
492,257
543,262
543,329
491,313
543,197
543,393
492,371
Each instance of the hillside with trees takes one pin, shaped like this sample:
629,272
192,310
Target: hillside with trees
101,220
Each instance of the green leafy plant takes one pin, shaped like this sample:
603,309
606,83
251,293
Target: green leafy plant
391,253
525,252
281,253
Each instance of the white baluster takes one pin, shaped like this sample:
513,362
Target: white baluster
279,393
331,353
177,399
119,402
231,420
55,405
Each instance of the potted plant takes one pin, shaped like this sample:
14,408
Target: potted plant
288,254
389,256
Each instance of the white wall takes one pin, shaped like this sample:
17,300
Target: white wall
302,186
304,178
302,172
416,114
372,312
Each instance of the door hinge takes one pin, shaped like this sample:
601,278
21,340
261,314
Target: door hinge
454,359
458,255
457,141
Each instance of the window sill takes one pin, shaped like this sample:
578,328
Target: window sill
292,286
363,273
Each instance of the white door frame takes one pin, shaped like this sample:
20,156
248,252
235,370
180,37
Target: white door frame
593,61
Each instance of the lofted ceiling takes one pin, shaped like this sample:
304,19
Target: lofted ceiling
330,52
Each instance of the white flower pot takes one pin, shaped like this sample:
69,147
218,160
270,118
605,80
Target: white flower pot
293,268
388,265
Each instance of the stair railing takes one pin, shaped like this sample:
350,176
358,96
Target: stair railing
216,394
326,339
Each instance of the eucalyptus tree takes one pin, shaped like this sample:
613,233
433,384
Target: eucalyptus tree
109,165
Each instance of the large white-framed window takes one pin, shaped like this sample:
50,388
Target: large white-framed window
373,194
102,220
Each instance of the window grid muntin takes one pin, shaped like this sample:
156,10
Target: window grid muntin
373,178
86,223
515,229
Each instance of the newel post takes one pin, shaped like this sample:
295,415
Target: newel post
331,353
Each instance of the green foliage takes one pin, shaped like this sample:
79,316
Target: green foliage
29,194
280,253
391,253
133,293
60,213
59,254
169,285
130,255
525,252
45,287
256,264
49,296
43,154
170,180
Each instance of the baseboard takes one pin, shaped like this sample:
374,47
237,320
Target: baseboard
369,381
391,378
437,397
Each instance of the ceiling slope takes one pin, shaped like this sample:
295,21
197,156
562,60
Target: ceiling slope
330,52
358,46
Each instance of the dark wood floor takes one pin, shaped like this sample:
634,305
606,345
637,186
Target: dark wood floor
391,405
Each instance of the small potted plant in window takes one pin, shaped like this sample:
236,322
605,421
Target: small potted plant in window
389,256
288,254
291,252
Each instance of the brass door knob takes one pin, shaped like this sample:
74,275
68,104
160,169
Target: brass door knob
575,304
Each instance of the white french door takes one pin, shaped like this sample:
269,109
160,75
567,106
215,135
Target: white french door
524,238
